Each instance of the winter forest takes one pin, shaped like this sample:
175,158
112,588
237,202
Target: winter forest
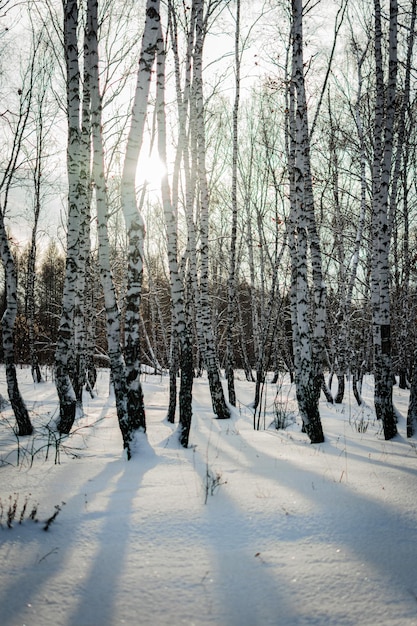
209,185
208,354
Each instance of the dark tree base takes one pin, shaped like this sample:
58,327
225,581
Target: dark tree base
326,390
390,428
24,425
186,393
25,430
315,432
67,413
172,405
340,389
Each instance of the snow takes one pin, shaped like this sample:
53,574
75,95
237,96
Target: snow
244,528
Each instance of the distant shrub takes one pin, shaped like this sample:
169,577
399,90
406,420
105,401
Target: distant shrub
284,415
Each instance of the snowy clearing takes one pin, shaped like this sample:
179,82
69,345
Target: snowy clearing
244,528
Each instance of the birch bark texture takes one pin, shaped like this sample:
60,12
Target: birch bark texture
20,127
79,376
24,425
412,407
191,159
131,420
307,313
180,330
65,342
220,407
135,226
384,118
231,284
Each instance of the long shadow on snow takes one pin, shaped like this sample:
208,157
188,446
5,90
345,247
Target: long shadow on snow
24,601
100,585
339,515
249,593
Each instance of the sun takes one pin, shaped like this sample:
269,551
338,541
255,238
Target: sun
150,171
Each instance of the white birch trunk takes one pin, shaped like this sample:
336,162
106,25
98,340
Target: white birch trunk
129,424
400,171
231,287
135,225
217,395
412,407
341,338
91,327
64,355
380,268
251,260
180,331
306,342
79,378
24,425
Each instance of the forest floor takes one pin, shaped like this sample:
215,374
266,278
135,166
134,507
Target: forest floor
244,528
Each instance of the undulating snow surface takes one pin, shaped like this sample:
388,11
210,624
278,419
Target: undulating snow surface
245,528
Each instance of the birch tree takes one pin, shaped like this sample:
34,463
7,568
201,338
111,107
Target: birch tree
42,121
360,59
130,418
18,123
191,158
180,328
399,216
198,128
31,274
231,291
24,425
384,118
403,157
303,241
135,226
79,368
65,342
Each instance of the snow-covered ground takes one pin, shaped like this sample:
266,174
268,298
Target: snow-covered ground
245,528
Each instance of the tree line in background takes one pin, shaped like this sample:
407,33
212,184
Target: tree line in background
280,236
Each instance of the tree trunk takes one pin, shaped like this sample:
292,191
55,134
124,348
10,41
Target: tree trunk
412,405
358,372
380,268
180,334
30,308
128,423
243,338
24,425
64,356
231,291
91,327
135,226
174,368
357,385
302,232
210,359
79,373
31,270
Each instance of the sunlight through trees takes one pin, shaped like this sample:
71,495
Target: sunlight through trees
207,188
